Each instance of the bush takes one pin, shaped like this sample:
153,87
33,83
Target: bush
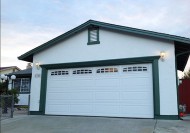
2,88
4,91
14,92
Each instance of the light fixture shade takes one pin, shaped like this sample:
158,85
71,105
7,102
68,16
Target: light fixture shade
37,65
162,55
6,77
2,76
13,77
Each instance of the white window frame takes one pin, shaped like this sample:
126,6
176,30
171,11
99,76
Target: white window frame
21,83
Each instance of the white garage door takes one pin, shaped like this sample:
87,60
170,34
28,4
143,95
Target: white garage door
116,91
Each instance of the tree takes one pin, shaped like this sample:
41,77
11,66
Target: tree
4,102
186,75
4,91
2,88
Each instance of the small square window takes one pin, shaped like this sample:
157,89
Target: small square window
93,36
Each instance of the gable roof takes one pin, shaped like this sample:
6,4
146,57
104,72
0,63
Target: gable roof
25,72
182,41
9,67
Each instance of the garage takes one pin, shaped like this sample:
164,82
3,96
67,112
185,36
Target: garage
102,69
114,91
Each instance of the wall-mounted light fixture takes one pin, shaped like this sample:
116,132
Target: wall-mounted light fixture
37,65
162,55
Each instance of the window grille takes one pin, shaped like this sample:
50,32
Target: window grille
135,68
82,71
60,73
22,85
107,70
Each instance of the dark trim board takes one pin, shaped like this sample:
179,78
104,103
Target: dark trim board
43,90
24,92
125,61
122,61
35,113
167,117
156,92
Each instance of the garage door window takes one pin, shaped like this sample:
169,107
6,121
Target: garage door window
60,73
135,68
107,70
82,71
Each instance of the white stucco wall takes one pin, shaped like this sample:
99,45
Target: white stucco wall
112,46
23,99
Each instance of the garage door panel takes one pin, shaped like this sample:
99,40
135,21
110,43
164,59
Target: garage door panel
106,110
81,83
74,95
106,89
136,95
53,108
135,102
80,108
71,83
136,110
106,95
135,81
125,92
134,89
69,89
59,84
106,82
69,102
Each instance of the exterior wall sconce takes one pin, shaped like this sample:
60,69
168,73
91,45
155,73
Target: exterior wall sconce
162,55
37,65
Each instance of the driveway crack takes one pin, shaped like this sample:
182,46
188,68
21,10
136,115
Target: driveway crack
155,126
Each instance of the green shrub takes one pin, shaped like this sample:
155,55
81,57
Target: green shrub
2,88
14,92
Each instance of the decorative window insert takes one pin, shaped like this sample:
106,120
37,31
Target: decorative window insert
135,68
82,71
93,36
107,70
22,85
60,73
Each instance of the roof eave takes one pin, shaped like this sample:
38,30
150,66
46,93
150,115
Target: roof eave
28,56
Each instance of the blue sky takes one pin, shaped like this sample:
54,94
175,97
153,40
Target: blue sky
26,24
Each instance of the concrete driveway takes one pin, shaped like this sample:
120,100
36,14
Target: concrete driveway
76,124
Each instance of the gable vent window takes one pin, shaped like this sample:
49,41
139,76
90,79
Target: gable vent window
60,73
93,36
82,71
135,68
107,70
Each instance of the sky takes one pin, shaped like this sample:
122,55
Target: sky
26,24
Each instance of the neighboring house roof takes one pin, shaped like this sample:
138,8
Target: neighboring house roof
10,67
181,43
24,73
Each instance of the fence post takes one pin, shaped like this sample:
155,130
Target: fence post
29,104
1,105
12,106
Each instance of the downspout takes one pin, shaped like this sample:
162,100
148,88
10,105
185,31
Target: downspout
177,84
